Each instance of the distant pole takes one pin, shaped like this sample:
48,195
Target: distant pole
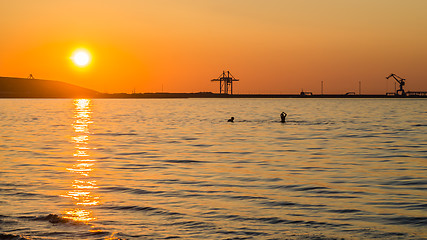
360,88
226,77
321,87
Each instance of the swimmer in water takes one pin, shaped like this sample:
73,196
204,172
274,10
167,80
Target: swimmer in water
231,119
283,117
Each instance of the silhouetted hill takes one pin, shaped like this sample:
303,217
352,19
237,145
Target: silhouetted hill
36,88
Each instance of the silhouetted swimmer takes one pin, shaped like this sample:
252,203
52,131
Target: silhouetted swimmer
231,119
283,117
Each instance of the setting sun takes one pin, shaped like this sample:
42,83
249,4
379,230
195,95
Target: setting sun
81,58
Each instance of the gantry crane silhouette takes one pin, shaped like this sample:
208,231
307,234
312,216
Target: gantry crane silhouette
225,82
401,82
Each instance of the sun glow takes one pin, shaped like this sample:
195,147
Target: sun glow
81,57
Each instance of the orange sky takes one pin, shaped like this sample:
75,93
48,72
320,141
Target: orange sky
272,46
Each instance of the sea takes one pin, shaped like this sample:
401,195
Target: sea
176,169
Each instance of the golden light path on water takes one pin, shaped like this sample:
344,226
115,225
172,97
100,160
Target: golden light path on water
83,185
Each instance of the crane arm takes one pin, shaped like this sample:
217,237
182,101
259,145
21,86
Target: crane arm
398,79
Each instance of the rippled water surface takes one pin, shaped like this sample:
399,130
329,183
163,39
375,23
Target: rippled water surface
175,168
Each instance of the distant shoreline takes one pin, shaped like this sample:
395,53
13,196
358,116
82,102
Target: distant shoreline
216,95
11,87
208,95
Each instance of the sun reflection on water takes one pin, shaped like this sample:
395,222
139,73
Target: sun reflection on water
83,185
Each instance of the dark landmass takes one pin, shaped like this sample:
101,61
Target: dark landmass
37,88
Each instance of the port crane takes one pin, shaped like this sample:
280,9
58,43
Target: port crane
401,82
225,82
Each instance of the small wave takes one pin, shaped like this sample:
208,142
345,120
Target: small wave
400,205
58,125
189,139
291,186
27,195
135,166
53,218
403,220
147,210
8,184
178,181
371,233
309,188
302,122
406,183
6,221
419,125
193,225
246,197
292,204
242,231
321,191
277,220
202,145
5,236
182,161
133,208
130,190
333,196
251,121
133,153
418,207
115,134
222,152
310,237
344,210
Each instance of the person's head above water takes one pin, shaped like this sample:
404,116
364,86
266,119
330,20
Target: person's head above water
231,119
283,117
